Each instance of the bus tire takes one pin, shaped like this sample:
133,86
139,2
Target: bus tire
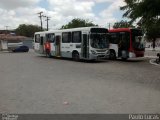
124,55
48,54
112,55
75,56
124,59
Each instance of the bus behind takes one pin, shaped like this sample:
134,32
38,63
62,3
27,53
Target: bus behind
126,43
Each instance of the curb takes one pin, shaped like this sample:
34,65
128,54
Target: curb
5,51
153,63
150,56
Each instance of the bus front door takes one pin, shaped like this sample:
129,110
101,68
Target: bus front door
57,46
41,45
85,46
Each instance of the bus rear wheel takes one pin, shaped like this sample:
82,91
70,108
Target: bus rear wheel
124,59
112,55
75,56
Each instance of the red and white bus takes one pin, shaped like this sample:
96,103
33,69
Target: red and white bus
126,43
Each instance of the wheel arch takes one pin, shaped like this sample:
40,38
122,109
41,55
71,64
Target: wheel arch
75,51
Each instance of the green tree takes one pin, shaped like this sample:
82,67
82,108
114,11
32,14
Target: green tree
148,13
27,30
78,23
122,24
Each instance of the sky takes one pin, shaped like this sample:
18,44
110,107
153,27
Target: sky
101,12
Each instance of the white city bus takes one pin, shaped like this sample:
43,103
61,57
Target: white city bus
88,43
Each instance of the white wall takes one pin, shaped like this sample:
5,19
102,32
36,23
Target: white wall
150,47
4,45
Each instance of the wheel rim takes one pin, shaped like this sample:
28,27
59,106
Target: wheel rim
112,56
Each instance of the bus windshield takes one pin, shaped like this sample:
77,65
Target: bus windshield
99,41
137,40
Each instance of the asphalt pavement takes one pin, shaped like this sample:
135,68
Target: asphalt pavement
30,83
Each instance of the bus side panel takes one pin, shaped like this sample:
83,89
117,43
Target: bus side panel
66,50
114,47
36,47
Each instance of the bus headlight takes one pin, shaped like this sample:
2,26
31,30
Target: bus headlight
93,52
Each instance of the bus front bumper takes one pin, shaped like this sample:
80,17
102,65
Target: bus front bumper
98,56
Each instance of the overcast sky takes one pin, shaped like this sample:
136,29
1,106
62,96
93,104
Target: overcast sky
101,12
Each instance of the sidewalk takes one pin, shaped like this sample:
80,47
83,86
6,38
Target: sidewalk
151,53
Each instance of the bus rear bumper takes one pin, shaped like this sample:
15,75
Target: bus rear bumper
136,54
132,55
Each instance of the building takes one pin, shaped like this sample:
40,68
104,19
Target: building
10,41
149,45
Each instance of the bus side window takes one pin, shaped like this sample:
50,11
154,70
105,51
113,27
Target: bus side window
114,38
50,37
37,38
76,37
66,37
47,37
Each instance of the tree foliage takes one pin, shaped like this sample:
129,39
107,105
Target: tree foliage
122,24
78,23
148,13
146,10
27,30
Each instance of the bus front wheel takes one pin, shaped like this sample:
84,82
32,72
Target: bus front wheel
112,55
75,56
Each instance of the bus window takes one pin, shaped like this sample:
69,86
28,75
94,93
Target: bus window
50,37
138,42
41,42
66,37
124,38
76,37
37,38
114,38
99,41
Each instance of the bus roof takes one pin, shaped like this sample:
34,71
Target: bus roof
121,29
69,30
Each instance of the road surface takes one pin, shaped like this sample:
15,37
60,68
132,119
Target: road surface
30,83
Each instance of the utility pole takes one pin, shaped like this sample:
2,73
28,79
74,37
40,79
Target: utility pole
6,27
47,22
109,26
47,19
40,16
